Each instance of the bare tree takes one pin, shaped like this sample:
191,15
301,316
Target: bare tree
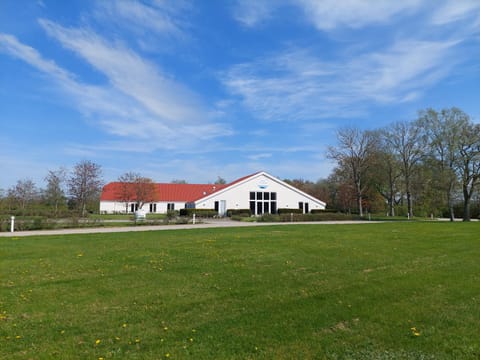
406,141
136,188
145,191
126,191
85,184
354,153
386,176
24,192
55,192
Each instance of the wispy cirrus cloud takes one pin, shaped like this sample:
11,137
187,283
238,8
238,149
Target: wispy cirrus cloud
297,84
153,18
400,66
327,15
137,100
331,14
458,10
251,13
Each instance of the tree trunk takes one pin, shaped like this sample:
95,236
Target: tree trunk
391,209
466,205
409,204
360,208
450,206
452,213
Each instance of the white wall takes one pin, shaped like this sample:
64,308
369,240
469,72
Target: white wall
111,207
237,196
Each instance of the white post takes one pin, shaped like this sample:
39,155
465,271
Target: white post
12,224
193,221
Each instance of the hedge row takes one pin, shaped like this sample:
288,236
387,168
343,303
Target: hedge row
198,212
308,217
239,212
289,211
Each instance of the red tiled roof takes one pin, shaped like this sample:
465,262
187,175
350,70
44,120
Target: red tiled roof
165,192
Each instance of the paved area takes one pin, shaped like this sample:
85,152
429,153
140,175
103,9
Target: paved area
210,223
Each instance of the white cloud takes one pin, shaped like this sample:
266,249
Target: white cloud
456,10
298,85
328,15
137,101
251,13
140,17
331,14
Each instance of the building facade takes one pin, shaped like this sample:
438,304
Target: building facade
261,192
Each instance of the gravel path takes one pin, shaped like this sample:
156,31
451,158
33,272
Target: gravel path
203,225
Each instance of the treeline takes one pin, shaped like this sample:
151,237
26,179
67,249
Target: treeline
75,192
427,166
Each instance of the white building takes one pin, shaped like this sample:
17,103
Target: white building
260,192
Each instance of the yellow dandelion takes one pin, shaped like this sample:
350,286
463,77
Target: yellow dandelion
167,355
165,328
98,341
137,341
416,333
191,340
124,325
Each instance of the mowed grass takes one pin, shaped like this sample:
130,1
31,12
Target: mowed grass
369,291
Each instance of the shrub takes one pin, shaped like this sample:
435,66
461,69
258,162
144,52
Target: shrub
289,211
239,212
198,212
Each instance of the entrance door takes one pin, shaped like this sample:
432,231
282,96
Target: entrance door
222,210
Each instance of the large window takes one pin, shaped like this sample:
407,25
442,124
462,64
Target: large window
263,202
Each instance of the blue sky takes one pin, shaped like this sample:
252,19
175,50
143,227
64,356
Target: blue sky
194,90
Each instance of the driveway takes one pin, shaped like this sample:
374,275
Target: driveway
209,223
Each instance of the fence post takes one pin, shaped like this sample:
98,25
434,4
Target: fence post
193,220
12,224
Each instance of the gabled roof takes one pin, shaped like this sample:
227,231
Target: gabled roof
167,192
164,192
237,182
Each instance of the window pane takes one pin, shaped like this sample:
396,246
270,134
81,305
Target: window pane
266,196
252,206
273,196
252,196
259,196
273,205
265,207
259,208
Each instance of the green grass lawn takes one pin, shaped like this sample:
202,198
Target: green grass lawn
370,291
